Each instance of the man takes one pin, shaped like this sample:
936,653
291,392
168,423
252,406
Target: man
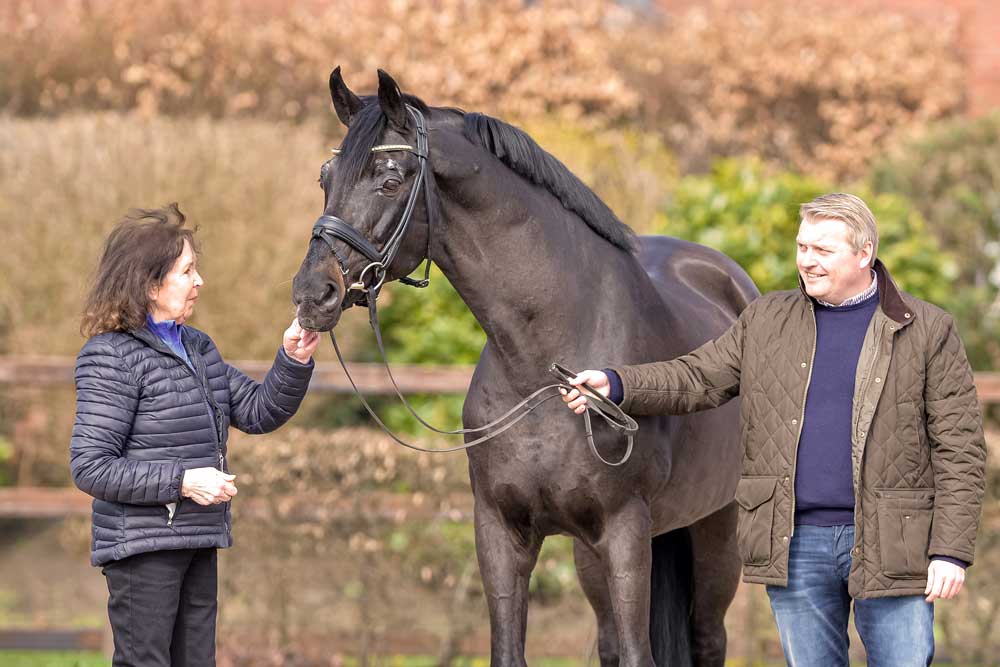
863,468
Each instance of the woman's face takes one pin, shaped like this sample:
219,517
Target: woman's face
174,298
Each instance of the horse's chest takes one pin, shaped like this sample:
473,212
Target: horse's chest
544,499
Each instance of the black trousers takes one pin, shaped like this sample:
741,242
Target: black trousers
162,606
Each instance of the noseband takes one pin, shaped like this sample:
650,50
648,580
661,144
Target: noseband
330,228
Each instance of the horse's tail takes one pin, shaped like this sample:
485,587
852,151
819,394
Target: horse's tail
670,599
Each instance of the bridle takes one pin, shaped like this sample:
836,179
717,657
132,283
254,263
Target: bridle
330,229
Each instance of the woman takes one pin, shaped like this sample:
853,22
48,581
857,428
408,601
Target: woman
154,405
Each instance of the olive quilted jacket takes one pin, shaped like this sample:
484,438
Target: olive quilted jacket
917,439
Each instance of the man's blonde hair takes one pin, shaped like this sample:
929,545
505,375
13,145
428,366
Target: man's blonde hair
850,210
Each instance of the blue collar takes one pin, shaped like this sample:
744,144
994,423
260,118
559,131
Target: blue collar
166,328
170,333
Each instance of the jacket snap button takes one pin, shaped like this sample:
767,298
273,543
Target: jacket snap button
804,364
878,379
794,422
785,538
862,434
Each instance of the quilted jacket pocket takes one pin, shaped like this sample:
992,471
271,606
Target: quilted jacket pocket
904,531
755,496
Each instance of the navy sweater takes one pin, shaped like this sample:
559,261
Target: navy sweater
824,488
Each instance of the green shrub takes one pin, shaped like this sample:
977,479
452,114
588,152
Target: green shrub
951,173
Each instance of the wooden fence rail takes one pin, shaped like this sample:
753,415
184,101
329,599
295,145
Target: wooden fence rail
330,378
43,502
49,639
327,377
26,502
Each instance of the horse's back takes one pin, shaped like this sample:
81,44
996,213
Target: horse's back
700,287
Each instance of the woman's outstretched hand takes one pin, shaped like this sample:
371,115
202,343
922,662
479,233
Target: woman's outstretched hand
575,399
300,344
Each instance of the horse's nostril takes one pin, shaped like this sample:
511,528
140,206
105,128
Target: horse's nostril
329,295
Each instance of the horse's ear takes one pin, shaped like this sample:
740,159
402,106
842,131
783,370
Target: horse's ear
391,101
345,102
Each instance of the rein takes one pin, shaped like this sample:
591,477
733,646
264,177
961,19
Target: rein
330,228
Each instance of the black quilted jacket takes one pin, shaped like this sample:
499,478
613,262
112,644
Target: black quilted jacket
143,416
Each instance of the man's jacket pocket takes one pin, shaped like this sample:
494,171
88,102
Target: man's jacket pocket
904,531
755,496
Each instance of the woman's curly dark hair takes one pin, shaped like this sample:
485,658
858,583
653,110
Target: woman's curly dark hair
138,254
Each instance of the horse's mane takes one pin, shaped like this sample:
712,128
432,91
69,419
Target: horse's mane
512,146
526,158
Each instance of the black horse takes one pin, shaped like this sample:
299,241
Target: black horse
551,275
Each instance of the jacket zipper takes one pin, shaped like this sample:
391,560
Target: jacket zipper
212,415
163,348
876,354
802,419
862,442
158,345
171,510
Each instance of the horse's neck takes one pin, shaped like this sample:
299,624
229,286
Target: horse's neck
540,282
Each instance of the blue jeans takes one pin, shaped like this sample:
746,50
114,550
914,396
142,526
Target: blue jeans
812,611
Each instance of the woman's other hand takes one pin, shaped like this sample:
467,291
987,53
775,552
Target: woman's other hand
300,344
208,486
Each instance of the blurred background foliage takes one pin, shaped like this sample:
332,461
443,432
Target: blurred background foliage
710,121
950,171
821,92
224,108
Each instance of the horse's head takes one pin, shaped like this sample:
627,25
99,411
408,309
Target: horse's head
374,226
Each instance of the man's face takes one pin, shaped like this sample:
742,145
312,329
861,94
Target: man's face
830,268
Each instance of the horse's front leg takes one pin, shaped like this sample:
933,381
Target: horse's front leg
593,576
626,551
506,557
